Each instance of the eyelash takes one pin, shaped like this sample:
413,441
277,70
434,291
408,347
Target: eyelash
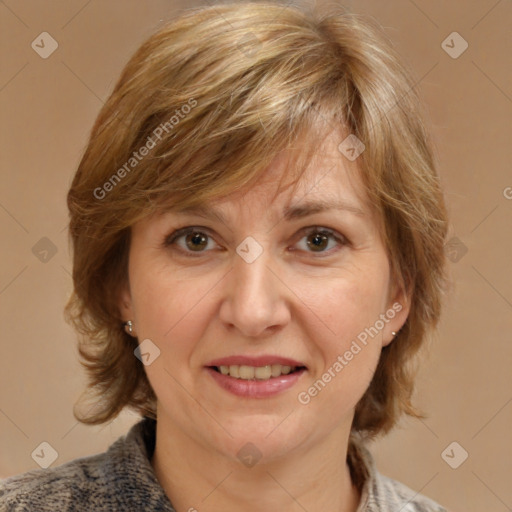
175,235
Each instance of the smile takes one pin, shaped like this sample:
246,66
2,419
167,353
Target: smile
246,372
253,376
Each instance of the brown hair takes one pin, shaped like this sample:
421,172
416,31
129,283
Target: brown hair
214,96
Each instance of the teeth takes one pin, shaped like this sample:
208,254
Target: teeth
263,372
245,372
276,370
285,370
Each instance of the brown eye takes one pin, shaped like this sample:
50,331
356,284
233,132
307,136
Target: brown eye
190,240
196,241
321,241
317,241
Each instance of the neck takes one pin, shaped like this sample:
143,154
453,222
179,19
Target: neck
197,478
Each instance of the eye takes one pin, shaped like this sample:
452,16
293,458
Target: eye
190,240
319,239
194,239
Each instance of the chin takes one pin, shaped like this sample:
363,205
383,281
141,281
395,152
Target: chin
258,439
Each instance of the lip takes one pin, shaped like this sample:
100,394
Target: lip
264,360
255,388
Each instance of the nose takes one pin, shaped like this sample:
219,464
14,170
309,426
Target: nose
255,299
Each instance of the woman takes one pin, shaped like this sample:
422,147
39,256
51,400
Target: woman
258,234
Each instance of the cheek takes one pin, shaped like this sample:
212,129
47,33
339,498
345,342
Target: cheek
349,304
170,309
349,340
160,302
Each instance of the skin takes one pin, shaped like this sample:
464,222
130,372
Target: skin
290,302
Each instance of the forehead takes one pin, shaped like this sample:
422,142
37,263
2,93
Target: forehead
285,189
329,178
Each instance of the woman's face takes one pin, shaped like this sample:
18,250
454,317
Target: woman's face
231,305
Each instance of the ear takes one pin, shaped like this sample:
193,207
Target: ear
397,311
125,304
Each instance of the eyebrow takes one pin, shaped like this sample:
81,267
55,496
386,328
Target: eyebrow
309,208
292,212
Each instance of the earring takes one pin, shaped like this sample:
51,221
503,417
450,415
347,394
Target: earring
128,327
393,333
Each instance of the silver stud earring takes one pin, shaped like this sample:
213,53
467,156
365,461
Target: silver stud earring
393,333
128,327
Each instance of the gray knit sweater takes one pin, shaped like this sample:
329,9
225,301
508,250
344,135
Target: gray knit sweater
122,479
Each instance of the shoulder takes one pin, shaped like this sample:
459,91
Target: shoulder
383,494
121,478
79,483
396,494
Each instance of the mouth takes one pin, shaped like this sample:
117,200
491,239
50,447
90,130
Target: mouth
256,377
260,373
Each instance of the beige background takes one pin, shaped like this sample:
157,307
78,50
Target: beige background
48,107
